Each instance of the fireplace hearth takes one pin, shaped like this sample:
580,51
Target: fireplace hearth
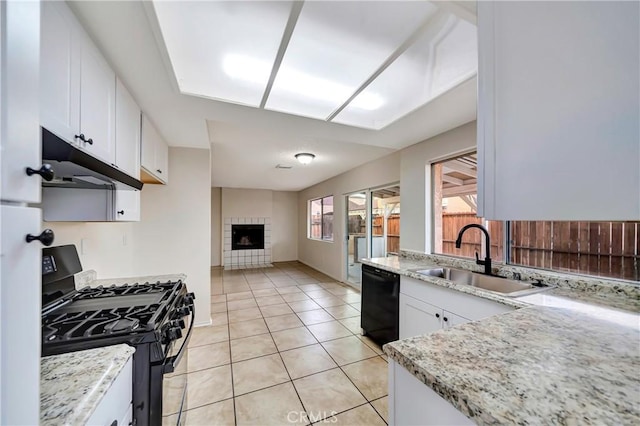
247,237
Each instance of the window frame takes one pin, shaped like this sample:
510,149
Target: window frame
507,251
310,222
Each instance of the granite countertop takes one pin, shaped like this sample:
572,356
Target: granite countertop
618,295
73,384
568,355
406,267
533,365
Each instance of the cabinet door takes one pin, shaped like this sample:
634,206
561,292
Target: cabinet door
127,132
20,265
154,155
417,317
19,130
127,206
148,145
559,110
162,160
450,319
97,103
60,76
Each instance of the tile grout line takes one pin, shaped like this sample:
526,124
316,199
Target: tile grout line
233,390
306,326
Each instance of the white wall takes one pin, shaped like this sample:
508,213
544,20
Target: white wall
415,182
280,206
216,226
108,246
174,234
411,167
284,226
328,257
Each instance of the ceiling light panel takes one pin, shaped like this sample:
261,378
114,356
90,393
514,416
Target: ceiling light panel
442,58
334,48
223,49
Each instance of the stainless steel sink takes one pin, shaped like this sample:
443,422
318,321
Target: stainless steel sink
504,286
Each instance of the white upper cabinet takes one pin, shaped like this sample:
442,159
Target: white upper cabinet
77,85
127,206
559,110
127,132
155,155
97,103
60,76
19,131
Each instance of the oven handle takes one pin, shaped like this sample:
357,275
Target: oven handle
171,362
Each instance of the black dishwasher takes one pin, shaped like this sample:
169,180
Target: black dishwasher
380,304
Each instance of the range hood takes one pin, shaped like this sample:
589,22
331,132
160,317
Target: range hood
75,168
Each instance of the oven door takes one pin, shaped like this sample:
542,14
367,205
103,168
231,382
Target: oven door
174,380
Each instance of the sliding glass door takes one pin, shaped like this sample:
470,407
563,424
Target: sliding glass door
378,237
356,234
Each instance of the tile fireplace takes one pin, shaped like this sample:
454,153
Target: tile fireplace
247,242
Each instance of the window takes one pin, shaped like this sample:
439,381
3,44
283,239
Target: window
321,219
607,249
455,203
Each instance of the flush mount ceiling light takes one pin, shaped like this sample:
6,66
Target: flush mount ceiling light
305,157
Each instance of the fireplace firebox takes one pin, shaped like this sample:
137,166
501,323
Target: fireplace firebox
247,237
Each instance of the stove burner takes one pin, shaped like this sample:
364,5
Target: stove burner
121,290
104,322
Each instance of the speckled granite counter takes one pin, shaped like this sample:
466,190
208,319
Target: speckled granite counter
74,383
405,266
538,365
569,355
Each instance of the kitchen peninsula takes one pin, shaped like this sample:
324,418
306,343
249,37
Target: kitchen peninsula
564,356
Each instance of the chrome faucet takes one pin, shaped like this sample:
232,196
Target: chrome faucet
487,260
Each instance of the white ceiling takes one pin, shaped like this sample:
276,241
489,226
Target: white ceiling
247,143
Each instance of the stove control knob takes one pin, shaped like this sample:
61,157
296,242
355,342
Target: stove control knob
176,333
166,337
181,312
179,323
170,335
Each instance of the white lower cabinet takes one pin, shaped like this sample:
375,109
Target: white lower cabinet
418,317
411,402
115,407
425,307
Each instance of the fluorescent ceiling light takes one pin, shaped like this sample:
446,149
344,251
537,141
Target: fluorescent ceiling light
442,58
226,50
256,71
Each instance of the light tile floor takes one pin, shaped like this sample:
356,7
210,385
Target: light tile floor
284,348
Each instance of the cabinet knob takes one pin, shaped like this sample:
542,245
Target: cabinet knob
89,141
445,319
120,212
46,237
45,171
158,170
81,137
437,315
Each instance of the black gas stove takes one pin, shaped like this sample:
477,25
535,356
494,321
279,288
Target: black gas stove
155,318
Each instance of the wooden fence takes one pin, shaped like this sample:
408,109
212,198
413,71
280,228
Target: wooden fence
393,231
610,249
473,239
